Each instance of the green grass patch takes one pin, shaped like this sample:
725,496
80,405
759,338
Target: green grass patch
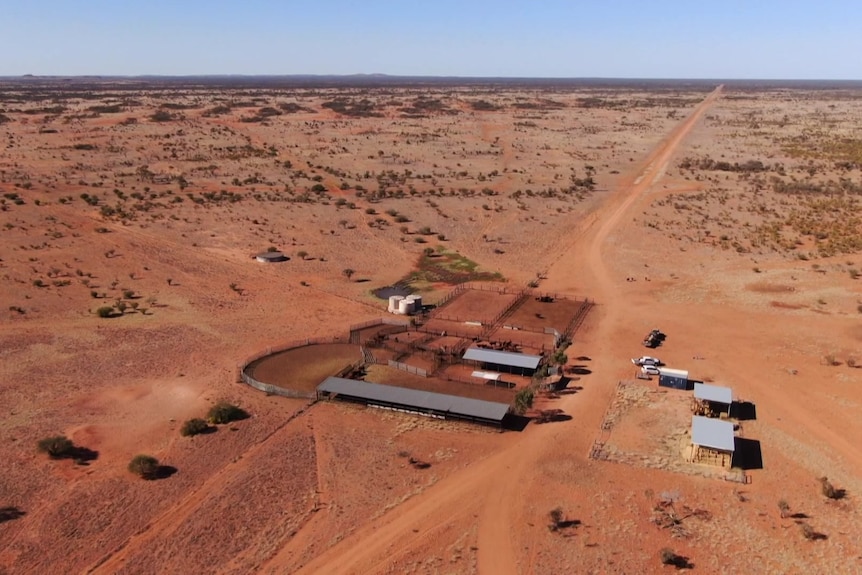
449,267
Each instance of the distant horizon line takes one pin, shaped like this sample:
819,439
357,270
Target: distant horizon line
380,75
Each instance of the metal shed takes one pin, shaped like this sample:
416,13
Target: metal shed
414,401
507,361
713,440
675,378
714,394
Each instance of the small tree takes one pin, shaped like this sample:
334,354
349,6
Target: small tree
556,517
194,427
348,273
783,508
57,447
302,254
144,466
829,490
668,557
560,357
223,412
810,533
524,400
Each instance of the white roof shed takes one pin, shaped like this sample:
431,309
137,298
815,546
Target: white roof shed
712,433
714,393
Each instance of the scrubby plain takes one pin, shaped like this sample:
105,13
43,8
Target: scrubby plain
734,212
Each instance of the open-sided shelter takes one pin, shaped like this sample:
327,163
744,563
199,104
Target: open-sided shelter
414,401
714,395
505,361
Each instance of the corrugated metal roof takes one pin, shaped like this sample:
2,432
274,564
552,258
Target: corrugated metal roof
673,372
486,375
422,400
713,433
503,357
716,393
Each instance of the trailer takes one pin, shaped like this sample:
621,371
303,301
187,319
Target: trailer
674,378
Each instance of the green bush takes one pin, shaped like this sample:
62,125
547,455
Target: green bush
524,400
669,557
194,427
145,466
224,412
105,311
56,447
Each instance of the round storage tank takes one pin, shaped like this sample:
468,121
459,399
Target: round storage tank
417,302
394,303
405,306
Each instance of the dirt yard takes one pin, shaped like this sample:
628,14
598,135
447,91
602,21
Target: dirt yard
535,314
130,213
304,368
475,306
650,426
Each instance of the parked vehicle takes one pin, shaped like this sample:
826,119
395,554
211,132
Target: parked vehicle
650,370
647,360
654,338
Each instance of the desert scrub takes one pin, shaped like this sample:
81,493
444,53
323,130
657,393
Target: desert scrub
223,412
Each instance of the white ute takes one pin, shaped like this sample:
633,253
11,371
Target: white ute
647,360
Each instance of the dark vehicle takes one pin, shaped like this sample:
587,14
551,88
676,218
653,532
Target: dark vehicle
654,339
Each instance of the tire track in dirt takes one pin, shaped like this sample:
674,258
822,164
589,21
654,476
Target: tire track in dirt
658,161
611,212
305,537
398,531
171,519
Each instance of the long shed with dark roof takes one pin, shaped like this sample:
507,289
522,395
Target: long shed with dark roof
414,401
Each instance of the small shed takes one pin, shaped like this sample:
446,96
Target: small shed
713,440
717,395
675,378
270,257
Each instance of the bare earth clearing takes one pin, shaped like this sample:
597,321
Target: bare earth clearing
735,212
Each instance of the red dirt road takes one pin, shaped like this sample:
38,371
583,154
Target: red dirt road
499,477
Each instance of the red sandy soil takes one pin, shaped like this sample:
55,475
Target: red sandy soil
329,488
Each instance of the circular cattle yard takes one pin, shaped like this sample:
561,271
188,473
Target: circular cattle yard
303,368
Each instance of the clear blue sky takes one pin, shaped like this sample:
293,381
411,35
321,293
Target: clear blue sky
784,39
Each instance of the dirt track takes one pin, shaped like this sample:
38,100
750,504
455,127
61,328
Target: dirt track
499,477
